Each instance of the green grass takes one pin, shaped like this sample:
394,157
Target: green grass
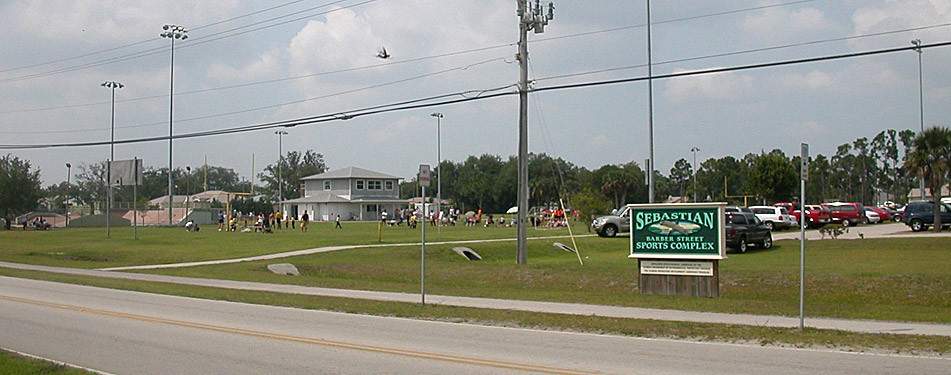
904,279
89,248
629,327
14,364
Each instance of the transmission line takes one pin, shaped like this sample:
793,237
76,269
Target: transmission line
481,95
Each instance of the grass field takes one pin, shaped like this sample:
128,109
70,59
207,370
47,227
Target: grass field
886,279
13,364
88,247
630,327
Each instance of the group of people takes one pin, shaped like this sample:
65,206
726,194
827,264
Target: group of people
265,222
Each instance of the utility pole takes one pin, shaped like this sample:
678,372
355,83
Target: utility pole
438,117
921,111
695,170
112,85
650,108
530,18
171,32
280,156
205,184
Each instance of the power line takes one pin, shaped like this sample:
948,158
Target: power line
276,105
746,51
425,103
198,41
195,41
132,44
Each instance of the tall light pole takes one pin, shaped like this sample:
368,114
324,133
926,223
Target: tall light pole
530,18
695,169
171,32
650,109
112,86
188,192
438,117
68,188
921,110
280,173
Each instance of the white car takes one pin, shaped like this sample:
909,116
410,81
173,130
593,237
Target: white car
774,217
871,216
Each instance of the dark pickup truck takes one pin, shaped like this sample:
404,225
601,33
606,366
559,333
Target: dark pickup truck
744,229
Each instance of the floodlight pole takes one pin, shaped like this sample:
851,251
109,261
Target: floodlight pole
438,117
280,173
921,111
112,85
650,109
69,168
530,18
171,32
695,170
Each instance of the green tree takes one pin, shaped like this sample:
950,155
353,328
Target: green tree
291,168
19,186
680,174
930,157
589,203
773,176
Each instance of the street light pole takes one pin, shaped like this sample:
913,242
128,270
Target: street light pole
68,188
112,85
438,117
188,190
171,32
650,109
695,169
921,110
280,173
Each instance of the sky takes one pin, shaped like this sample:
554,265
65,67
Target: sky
53,64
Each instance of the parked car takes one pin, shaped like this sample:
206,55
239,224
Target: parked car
920,215
871,217
816,215
774,217
884,213
847,214
729,209
611,225
744,229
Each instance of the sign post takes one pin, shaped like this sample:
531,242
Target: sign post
125,173
425,177
804,176
678,247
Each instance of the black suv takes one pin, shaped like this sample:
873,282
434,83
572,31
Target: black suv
744,229
920,215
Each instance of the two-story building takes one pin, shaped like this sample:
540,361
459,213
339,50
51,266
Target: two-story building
353,193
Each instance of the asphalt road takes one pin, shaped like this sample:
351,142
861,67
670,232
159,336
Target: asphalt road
137,333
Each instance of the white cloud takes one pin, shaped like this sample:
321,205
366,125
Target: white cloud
267,64
813,80
786,23
717,86
894,15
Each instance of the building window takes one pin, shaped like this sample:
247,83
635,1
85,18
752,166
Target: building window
359,184
371,208
375,185
389,185
328,185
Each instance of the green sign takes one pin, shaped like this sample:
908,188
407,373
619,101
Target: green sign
677,231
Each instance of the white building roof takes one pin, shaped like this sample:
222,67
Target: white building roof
350,172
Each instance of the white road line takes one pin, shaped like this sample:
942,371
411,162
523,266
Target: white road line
61,363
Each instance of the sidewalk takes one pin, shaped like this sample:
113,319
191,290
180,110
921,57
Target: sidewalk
316,250
863,326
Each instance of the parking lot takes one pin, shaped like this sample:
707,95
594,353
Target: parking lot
889,230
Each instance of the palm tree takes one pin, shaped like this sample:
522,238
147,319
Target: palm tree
930,157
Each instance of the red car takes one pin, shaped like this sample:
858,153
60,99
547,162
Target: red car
816,215
848,214
886,215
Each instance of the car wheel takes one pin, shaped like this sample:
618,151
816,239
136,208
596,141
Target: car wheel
917,226
846,223
609,231
769,225
742,246
767,242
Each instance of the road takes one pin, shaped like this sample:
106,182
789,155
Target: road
126,332
884,230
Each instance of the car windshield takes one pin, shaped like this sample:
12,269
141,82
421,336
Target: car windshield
765,211
755,220
783,211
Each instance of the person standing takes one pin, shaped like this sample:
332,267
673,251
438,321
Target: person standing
303,222
278,218
337,225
